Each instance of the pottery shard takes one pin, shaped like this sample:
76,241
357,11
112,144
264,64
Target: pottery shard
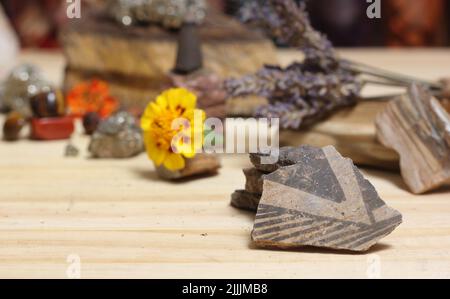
417,126
322,201
287,156
244,200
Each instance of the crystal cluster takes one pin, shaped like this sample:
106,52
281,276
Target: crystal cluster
302,93
168,13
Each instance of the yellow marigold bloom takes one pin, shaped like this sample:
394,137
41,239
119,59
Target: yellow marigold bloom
173,128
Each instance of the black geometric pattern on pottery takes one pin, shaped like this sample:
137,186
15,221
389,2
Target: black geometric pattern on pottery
312,174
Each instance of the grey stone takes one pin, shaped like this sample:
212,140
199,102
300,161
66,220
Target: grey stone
117,137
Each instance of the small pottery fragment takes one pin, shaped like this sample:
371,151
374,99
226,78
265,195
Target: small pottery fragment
244,200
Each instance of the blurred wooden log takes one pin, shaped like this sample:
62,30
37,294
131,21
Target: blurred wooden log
417,126
352,131
137,60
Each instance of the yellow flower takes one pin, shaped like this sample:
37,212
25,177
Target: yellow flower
173,128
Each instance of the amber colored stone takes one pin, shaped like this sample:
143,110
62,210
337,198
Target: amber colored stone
52,128
48,104
90,122
14,123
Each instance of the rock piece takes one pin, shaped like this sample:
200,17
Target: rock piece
71,150
244,200
322,201
13,125
117,137
201,164
52,128
417,126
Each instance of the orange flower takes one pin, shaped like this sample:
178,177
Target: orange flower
91,96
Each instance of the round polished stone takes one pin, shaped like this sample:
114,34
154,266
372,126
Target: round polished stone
48,104
13,125
90,122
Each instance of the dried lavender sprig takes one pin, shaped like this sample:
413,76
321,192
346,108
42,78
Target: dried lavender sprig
289,24
297,96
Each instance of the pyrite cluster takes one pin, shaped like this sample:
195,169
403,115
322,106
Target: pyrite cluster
168,13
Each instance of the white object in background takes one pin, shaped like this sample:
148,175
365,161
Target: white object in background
9,44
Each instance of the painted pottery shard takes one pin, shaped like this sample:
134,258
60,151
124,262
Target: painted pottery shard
322,201
242,199
201,164
417,126
287,156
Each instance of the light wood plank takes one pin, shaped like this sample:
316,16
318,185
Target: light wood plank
122,222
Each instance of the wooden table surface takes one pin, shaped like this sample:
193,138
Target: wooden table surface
119,221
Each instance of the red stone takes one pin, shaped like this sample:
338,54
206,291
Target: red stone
52,128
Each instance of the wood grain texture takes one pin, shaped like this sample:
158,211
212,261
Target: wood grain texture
123,222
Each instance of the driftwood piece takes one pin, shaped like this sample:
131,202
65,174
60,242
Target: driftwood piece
322,201
417,126
201,164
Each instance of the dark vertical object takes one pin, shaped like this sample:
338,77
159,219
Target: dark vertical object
189,56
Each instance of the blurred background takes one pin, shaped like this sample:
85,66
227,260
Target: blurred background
404,23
